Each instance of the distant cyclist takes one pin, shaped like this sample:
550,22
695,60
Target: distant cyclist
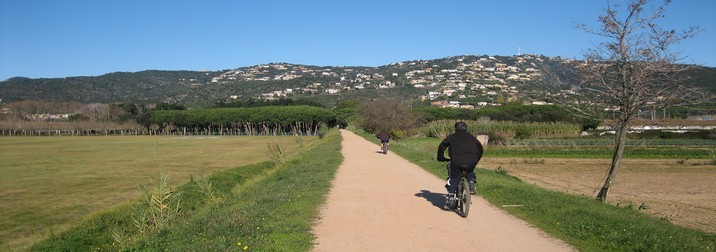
384,137
466,151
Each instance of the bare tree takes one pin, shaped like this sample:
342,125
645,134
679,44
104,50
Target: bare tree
25,108
388,114
633,70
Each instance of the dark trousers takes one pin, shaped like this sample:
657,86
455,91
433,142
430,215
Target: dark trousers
455,173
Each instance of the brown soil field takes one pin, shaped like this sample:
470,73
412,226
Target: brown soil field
683,192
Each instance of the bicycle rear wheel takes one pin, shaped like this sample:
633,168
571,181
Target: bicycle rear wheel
463,198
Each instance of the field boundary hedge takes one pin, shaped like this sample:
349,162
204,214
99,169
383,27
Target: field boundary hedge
272,120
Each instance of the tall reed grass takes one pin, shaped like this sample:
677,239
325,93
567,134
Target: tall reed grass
160,205
503,131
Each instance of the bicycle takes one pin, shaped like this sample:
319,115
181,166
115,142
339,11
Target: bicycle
384,148
463,200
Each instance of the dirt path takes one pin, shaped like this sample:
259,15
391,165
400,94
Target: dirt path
385,203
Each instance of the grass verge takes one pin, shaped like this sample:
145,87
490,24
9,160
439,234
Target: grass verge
584,223
261,207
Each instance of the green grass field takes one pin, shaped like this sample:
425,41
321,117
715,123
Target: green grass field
48,183
269,206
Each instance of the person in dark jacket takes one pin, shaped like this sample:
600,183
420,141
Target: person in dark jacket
384,137
466,151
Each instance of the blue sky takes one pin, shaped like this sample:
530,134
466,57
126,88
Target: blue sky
48,39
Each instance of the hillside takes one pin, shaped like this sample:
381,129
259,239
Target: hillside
472,80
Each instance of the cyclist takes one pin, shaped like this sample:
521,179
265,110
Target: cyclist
384,137
465,151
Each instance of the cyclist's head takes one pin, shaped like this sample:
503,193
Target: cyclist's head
460,126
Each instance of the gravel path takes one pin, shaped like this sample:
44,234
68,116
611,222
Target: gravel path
385,203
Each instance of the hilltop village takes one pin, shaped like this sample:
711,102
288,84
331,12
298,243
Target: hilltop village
462,81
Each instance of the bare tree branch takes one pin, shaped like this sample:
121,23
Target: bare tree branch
632,71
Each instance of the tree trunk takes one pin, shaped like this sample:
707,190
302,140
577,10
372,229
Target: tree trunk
620,141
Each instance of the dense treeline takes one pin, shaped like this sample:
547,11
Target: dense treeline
252,103
430,114
31,118
270,120
512,112
282,116
525,113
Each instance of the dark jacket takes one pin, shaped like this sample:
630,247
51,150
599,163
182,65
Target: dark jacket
383,135
464,148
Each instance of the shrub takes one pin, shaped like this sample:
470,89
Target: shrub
522,133
386,114
498,138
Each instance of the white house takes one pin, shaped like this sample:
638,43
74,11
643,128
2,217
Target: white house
433,95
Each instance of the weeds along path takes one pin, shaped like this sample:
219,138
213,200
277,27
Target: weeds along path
385,203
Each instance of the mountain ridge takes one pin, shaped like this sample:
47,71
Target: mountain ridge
470,78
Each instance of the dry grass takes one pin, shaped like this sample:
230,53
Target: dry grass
681,191
47,183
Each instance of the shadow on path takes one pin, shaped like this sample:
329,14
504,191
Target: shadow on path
437,199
